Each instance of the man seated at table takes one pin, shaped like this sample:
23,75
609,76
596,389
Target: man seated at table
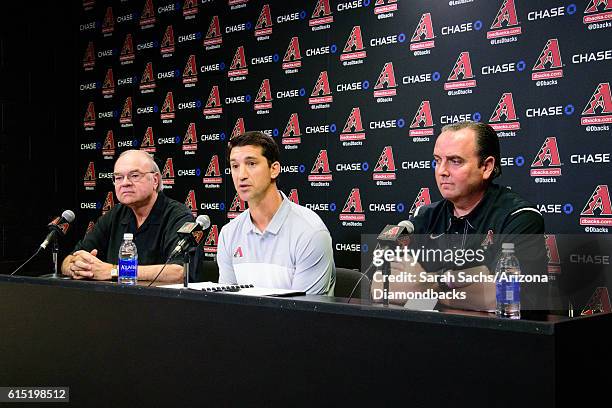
144,211
275,243
475,214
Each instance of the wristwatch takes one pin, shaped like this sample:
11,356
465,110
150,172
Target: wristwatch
114,273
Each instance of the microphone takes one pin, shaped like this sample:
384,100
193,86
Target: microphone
59,226
192,235
189,232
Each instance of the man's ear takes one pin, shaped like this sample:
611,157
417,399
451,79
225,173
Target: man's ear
488,166
276,169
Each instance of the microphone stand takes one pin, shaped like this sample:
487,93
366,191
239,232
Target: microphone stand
386,271
187,257
55,274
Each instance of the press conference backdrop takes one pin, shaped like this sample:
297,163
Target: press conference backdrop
354,92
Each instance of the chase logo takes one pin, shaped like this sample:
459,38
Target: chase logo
566,208
387,207
220,206
321,207
238,27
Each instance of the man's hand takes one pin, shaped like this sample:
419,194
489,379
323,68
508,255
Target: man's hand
85,265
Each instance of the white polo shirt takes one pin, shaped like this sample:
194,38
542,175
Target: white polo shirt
294,252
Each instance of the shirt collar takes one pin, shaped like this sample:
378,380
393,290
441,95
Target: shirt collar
154,216
475,217
277,220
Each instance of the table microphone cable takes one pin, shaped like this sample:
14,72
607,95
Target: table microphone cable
26,262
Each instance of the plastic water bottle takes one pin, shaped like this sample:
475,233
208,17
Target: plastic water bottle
128,260
507,285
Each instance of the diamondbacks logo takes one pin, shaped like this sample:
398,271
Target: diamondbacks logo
89,120
353,210
263,27
595,12
237,207
210,244
127,51
238,128
167,111
293,196
548,65
89,179
320,170
549,155
190,9
190,73
321,95
90,227
506,22
552,253
108,25
167,44
213,37
385,166
263,100
88,4
293,58
321,16
191,203
148,142
190,141
126,113
461,75
109,203
238,70
89,59
598,210
422,198
213,172
598,111
292,132
504,116
213,108
108,88
353,128
148,79
108,147
147,17
353,49
238,252
385,84
168,173
422,124
423,37
385,8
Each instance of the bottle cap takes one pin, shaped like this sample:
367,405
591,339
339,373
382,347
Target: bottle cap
128,236
507,245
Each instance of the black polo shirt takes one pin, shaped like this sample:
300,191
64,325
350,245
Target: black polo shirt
501,216
155,239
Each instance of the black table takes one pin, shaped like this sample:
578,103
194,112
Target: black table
137,346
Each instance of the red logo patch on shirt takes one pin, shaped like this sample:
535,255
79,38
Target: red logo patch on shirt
238,253
488,240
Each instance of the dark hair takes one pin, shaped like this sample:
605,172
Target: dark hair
269,148
487,142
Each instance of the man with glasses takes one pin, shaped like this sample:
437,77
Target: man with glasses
144,211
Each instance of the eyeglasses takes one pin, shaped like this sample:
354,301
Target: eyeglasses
134,177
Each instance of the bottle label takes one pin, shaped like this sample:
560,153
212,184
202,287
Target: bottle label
128,268
508,290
